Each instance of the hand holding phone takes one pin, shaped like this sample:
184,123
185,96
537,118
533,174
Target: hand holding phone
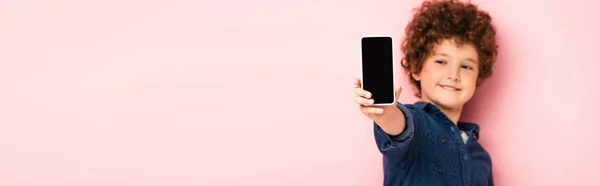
388,117
364,99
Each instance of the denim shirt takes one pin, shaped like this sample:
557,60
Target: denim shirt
430,151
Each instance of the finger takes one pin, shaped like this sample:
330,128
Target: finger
363,101
371,110
398,90
363,109
357,83
362,93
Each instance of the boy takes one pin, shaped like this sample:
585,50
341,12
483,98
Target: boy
449,50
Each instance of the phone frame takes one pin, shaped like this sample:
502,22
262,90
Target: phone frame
393,67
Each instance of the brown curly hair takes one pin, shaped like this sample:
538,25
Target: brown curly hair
438,20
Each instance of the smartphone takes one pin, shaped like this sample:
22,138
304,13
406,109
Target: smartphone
377,68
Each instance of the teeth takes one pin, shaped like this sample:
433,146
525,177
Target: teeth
449,88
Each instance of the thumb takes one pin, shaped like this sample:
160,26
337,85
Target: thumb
398,90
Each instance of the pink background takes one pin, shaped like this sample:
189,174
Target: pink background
259,93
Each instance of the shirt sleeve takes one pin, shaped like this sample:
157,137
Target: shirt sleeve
396,148
491,179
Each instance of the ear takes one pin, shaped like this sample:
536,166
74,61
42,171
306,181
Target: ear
416,76
479,82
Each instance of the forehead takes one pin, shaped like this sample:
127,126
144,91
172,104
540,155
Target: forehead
453,49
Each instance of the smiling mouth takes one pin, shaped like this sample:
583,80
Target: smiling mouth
450,88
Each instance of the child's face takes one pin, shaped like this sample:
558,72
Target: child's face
449,75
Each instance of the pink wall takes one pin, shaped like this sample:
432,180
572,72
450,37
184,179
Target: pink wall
258,93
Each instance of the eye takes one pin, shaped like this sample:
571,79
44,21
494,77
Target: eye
466,67
440,62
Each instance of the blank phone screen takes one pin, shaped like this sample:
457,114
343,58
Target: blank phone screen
377,68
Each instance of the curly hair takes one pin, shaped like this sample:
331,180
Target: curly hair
438,20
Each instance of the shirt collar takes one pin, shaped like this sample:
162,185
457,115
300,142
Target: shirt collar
468,127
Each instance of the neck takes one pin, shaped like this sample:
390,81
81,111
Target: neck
452,113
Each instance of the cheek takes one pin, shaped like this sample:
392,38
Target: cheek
469,78
430,75
431,79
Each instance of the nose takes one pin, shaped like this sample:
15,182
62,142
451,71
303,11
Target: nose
453,75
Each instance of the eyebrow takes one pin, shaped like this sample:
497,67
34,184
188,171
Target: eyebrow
446,55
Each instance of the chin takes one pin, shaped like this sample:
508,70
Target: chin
449,104
445,100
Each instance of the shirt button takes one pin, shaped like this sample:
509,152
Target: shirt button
465,157
443,141
387,144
